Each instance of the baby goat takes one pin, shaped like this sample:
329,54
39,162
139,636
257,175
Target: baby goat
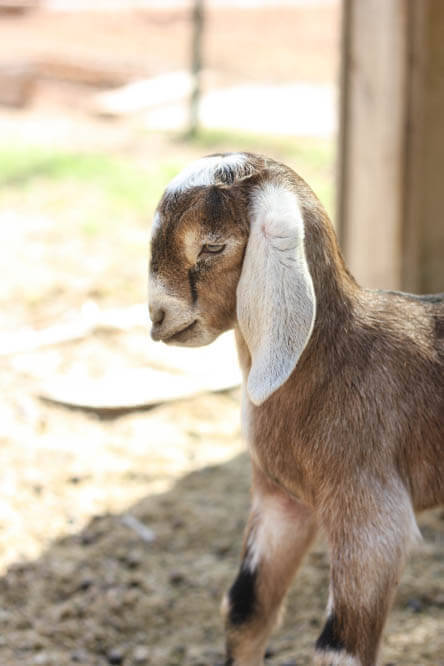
343,400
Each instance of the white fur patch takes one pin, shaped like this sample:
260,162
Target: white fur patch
370,561
276,302
191,245
157,291
202,172
269,532
330,602
225,605
245,414
156,222
177,310
334,658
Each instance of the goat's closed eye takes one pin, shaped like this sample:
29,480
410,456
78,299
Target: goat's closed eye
212,248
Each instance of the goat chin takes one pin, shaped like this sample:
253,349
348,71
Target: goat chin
343,399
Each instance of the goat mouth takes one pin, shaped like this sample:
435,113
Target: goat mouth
178,335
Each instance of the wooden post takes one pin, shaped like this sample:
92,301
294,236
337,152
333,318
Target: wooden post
196,65
391,190
424,185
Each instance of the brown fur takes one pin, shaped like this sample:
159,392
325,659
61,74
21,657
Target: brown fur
276,571
353,440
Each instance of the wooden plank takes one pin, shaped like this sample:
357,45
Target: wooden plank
17,85
143,94
412,206
196,65
175,374
373,121
17,6
424,193
95,74
391,194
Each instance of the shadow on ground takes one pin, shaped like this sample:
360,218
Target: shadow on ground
104,596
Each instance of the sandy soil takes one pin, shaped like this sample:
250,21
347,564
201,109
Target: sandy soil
83,586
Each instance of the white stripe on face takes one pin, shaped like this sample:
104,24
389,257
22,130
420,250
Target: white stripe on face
160,297
201,172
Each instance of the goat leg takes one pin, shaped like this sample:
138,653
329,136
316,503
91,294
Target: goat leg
279,532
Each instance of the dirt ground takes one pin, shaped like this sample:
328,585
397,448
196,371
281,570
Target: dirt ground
266,45
81,580
84,587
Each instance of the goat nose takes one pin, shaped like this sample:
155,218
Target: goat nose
157,315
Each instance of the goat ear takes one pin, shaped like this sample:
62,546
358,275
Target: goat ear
276,302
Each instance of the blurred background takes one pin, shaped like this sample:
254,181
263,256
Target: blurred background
124,482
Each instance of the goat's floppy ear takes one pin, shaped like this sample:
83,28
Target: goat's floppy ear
276,302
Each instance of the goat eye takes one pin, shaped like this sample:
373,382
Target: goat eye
211,248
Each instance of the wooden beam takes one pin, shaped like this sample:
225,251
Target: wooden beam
370,202
196,65
391,192
424,194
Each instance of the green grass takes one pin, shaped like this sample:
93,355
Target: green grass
122,183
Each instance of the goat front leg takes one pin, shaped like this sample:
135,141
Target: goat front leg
279,532
368,546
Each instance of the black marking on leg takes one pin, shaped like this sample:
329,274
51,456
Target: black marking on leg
193,288
229,659
242,596
330,638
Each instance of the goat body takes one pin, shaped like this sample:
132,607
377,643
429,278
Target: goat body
343,400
